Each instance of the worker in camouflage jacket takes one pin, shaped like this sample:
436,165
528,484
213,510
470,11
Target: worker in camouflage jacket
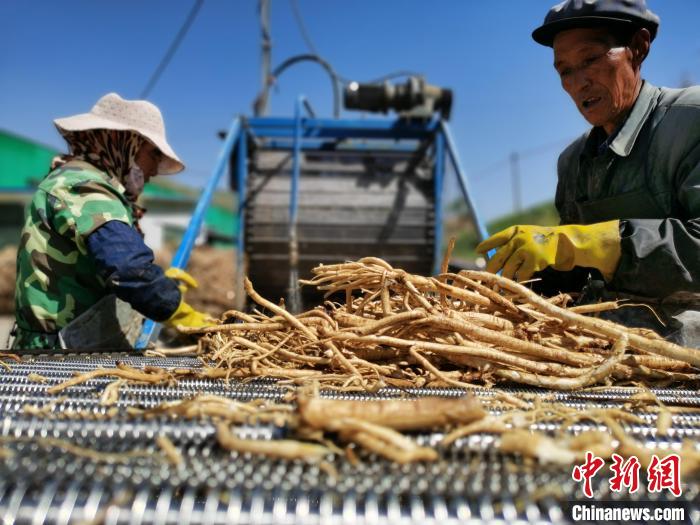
628,190
81,255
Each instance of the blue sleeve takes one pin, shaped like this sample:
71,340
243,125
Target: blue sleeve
126,264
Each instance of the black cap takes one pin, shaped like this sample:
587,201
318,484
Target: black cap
591,13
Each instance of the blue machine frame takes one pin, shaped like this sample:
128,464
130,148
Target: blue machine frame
305,132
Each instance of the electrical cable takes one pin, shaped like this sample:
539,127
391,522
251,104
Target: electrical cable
262,96
313,55
544,148
302,27
525,154
173,48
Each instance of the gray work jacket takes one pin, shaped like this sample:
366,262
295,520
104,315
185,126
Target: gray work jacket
648,176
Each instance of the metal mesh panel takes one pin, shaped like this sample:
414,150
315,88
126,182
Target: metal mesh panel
351,204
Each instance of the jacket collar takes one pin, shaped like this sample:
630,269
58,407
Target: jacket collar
645,104
112,181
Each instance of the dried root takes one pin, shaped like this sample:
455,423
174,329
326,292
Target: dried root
400,329
149,375
13,357
278,448
94,455
169,450
110,395
414,414
384,441
36,378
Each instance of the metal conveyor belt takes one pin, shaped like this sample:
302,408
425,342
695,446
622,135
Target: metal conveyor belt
472,482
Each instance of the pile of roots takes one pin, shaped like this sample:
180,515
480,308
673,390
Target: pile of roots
454,329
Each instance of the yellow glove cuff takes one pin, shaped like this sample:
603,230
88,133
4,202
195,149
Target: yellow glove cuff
595,245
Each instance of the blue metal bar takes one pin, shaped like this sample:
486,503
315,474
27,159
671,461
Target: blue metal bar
356,124
241,178
182,256
185,249
348,123
462,179
388,129
438,176
316,145
325,133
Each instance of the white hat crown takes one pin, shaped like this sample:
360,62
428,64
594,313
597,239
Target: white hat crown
139,114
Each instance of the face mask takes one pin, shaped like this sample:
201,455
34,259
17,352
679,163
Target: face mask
133,182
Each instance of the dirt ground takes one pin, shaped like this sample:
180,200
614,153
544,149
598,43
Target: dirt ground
7,280
6,322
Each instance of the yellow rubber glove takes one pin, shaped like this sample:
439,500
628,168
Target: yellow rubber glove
185,280
524,250
185,315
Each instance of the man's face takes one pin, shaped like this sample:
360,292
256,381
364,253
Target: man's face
601,78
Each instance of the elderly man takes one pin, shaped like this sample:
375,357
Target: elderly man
82,265
628,191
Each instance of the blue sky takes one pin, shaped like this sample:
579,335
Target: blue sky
58,57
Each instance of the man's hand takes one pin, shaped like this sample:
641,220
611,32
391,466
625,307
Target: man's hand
524,250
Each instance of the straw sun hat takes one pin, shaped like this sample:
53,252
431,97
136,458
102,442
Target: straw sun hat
113,112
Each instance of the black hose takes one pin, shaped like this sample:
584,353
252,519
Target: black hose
335,80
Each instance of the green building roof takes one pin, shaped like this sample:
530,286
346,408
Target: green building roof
22,162
221,221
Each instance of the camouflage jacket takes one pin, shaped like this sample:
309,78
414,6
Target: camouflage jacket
56,277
